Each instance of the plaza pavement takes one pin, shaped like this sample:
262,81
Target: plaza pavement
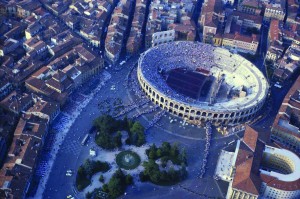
71,153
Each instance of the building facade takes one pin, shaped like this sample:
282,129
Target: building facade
163,37
193,112
241,43
262,171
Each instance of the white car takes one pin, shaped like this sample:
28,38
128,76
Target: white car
69,196
68,174
69,171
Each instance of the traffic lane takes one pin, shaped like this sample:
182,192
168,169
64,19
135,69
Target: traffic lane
59,181
61,186
278,95
150,191
66,159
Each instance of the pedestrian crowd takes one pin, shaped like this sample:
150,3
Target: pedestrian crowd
156,118
169,56
206,150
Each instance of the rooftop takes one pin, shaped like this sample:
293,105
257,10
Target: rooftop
251,156
295,175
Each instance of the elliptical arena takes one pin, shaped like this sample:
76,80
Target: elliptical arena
202,83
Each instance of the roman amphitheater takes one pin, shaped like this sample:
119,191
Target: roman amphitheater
202,83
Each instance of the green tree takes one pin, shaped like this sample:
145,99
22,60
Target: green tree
127,141
133,138
141,139
81,171
117,184
104,141
137,127
100,166
143,177
165,148
105,124
115,187
101,178
105,188
152,155
88,195
155,176
152,150
164,161
150,167
88,167
129,179
130,124
125,123
164,176
158,153
174,151
118,139
119,174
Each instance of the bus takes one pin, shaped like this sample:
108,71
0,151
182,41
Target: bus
86,137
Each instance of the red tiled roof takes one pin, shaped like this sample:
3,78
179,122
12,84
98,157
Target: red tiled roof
240,37
274,30
250,138
248,162
287,107
242,15
282,185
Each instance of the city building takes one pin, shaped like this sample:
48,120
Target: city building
17,171
5,85
275,10
33,29
135,39
26,7
211,19
40,51
256,170
247,20
283,49
253,7
118,30
89,19
44,109
3,148
241,43
292,12
17,102
8,46
285,129
170,16
219,93
163,37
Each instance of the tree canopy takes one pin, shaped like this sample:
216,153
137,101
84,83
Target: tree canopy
106,126
87,170
165,153
117,184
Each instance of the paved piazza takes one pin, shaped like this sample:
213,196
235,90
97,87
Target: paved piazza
70,154
221,87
